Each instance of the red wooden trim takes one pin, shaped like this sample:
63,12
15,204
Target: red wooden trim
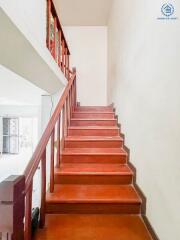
63,56
70,92
43,190
52,163
52,44
48,22
67,69
60,52
65,65
69,109
54,13
35,160
63,125
55,43
28,213
58,140
67,120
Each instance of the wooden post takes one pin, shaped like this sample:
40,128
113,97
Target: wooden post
75,89
12,206
59,59
65,72
43,190
55,43
58,140
63,125
67,69
63,55
52,163
28,213
48,23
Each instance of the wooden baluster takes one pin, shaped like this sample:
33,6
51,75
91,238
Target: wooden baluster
58,140
43,190
66,51
69,108
70,97
52,163
59,59
28,213
55,43
75,89
73,95
48,23
68,77
63,55
63,125
67,115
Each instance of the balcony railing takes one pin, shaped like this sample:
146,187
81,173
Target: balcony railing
56,42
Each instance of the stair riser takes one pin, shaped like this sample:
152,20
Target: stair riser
93,179
93,115
94,123
93,144
93,208
122,159
94,109
93,132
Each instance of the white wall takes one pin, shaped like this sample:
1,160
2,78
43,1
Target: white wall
23,44
30,16
88,46
144,84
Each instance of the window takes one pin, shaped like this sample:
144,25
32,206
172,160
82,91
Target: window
10,135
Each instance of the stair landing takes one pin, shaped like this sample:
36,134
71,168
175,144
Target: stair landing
93,227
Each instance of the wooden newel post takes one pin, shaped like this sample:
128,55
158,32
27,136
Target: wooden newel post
12,207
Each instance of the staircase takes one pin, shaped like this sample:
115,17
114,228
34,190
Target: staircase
94,196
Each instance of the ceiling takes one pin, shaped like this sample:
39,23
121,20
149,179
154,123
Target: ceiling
83,12
15,90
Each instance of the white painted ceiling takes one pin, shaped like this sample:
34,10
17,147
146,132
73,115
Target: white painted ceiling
15,90
83,12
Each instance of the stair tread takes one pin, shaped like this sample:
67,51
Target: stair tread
93,111
76,193
93,119
93,127
93,227
94,108
94,138
93,169
94,151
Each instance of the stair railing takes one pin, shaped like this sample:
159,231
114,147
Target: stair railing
56,42
16,191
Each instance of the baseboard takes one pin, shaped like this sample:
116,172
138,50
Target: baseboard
143,197
150,228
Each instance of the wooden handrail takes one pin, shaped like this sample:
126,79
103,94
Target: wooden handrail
63,112
18,229
35,160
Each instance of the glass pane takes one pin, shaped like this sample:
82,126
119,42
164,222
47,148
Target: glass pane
14,145
6,144
14,126
6,126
